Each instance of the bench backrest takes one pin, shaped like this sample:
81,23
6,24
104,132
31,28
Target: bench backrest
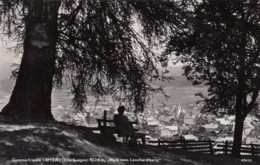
103,123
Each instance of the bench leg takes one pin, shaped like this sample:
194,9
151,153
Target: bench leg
143,141
133,140
125,139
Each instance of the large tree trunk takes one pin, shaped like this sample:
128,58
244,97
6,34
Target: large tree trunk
239,125
31,97
238,135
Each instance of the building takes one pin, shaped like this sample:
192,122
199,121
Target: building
190,137
184,129
152,121
189,119
210,127
224,139
169,131
165,119
178,111
252,140
247,128
224,121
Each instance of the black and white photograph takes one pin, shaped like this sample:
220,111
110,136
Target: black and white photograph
129,82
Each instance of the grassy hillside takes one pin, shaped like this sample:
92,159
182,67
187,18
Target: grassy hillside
59,143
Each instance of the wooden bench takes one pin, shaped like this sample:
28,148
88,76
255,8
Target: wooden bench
108,127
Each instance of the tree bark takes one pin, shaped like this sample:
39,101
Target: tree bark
238,135
31,97
239,125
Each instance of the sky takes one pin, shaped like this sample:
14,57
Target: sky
7,58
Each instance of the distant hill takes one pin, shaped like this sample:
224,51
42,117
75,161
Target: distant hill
179,79
179,89
175,71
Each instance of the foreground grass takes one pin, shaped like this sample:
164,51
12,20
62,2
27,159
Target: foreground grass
60,143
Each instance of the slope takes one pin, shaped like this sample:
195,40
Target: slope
60,143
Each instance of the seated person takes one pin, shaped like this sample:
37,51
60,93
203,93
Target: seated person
123,127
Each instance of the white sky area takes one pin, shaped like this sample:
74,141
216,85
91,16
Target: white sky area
7,58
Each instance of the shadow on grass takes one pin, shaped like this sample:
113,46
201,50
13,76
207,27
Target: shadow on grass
22,140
